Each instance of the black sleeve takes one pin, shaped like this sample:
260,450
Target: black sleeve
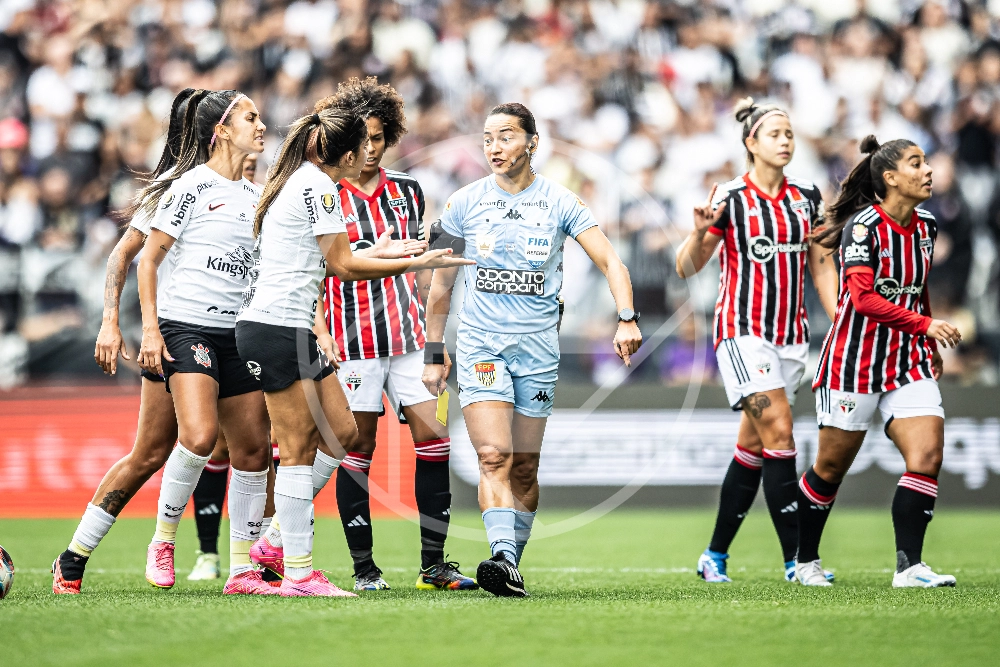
859,246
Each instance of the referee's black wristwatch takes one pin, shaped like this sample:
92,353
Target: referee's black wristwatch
434,353
628,315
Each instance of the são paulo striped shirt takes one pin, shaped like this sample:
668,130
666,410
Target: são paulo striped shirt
763,260
860,355
378,318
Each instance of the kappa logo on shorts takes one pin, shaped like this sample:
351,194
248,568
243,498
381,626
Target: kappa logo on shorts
764,368
847,405
353,381
254,369
542,396
486,373
201,355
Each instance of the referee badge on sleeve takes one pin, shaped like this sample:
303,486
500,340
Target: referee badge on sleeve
486,373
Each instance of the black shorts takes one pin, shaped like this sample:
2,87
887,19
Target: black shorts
280,356
207,350
152,377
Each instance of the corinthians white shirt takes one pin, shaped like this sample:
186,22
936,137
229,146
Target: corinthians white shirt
212,219
284,285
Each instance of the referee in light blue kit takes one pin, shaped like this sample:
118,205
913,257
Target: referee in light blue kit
514,224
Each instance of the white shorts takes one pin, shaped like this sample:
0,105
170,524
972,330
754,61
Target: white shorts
364,381
749,365
854,412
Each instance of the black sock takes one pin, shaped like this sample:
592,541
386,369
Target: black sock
815,498
912,510
431,486
208,498
739,489
781,490
72,565
356,515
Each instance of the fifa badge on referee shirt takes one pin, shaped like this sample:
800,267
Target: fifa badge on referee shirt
486,373
537,249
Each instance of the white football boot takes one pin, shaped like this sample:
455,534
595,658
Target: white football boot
921,576
811,574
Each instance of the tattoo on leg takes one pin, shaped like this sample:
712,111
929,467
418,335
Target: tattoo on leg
114,501
755,404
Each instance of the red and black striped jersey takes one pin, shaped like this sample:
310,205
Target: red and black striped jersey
378,318
863,356
765,241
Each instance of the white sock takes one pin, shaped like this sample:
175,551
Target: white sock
273,533
322,470
247,496
94,525
180,476
293,508
264,525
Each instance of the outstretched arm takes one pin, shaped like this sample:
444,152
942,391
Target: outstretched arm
109,340
628,338
347,266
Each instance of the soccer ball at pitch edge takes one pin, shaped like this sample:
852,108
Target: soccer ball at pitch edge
6,573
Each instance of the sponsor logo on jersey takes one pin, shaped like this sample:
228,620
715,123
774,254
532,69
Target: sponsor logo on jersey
206,185
498,203
856,252
254,369
310,203
201,355
537,250
510,282
183,206
167,201
890,288
212,207
762,248
249,188
541,203
240,254
513,214
859,232
847,405
329,203
486,373
764,368
353,381
485,243
238,265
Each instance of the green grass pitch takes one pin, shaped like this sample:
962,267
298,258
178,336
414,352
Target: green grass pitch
618,591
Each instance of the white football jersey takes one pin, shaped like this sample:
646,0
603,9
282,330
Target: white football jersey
284,284
212,219
142,221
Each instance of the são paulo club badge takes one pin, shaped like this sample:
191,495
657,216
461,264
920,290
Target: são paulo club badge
847,405
201,355
353,381
486,373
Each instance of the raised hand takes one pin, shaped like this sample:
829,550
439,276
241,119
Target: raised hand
705,216
439,259
387,247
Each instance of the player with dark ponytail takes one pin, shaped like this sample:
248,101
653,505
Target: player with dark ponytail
302,238
881,353
763,221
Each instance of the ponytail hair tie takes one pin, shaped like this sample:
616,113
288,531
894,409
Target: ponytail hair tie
315,118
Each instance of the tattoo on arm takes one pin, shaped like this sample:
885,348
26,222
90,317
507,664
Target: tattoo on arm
114,501
755,404
164,248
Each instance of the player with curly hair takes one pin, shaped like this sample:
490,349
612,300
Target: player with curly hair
378,328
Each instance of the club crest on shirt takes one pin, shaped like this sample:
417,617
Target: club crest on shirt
485,243
764,368
201,355
847,405
859,232
353,381
329,203
537,250
486,373
254,369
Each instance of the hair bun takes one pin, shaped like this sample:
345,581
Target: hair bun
869,144
744,108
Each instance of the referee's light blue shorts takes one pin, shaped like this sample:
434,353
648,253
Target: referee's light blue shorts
514,368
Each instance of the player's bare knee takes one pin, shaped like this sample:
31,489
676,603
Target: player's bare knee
492,459
831,470
524,471
927,461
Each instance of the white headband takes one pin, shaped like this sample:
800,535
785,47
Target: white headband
760,120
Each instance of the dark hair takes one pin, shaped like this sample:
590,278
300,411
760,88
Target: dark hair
526,118
863,187
171,148
747,113
371,100
323,137
204,111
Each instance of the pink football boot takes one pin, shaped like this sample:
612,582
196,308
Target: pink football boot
263,553
160,564
315,585
248,583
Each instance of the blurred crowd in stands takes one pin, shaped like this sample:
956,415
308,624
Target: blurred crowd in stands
633,98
